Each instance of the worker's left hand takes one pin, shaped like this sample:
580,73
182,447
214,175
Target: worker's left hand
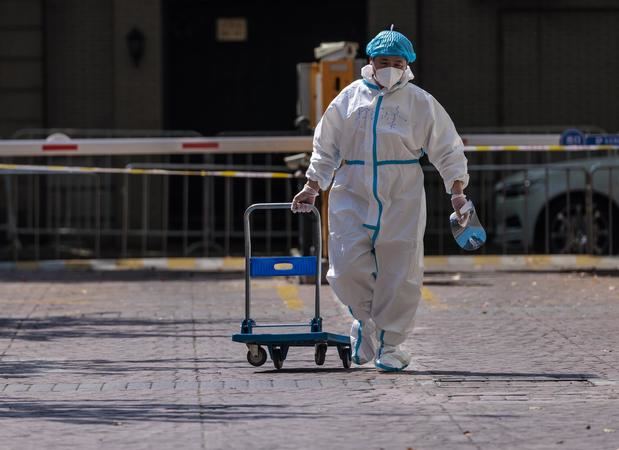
458,201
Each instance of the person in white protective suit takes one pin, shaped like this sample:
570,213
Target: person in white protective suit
372,136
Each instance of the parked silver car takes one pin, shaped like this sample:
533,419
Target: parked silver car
545,209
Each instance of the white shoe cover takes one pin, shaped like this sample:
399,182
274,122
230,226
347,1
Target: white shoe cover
392,359
362,341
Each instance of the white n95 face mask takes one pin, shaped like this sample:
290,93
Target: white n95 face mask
388,76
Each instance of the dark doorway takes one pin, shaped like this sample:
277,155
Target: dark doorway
215,86
249,87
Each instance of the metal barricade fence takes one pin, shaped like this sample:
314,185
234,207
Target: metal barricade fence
529,204
139,213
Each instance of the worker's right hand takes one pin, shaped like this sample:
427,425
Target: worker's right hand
304,200
457,202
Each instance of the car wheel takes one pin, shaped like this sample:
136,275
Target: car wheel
567,223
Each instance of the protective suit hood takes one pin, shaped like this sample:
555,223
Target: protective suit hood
367,73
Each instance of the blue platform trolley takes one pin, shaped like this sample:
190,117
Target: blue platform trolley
278,344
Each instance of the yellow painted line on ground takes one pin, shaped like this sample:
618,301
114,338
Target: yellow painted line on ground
538,261
78,264
436,260
234,263
27,265
432,299
587,261
130,263
289,294
487,260
181,263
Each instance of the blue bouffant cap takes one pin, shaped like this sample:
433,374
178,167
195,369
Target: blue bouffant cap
391,43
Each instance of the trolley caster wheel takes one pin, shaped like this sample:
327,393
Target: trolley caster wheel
320,354
346,357
257,358
278,357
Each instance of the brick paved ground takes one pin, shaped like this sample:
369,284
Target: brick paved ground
118,360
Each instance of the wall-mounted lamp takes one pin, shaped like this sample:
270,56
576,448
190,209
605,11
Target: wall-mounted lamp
136,44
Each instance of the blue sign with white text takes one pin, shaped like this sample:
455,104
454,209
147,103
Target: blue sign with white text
602,139
577,137
572,137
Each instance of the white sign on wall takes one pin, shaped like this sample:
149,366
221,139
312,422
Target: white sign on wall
231,29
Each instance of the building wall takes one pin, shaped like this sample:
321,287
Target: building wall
92,81
524,63
514,63
22,96
138,90
80,64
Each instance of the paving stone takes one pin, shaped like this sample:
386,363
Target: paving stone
136,386
65,387
17,388
162,385
41,388
115,386
107,361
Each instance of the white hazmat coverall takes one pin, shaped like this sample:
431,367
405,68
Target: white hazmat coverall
377,207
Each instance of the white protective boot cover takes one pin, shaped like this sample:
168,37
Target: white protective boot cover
362,341
390,358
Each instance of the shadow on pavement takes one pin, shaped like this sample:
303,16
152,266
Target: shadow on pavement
104,367
315,370
454,374
103,326
117,412
67,276
451,375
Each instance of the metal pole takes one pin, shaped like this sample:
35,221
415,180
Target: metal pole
288,219
526,212
205,214
227,215
610,211
318,244
269,218
10,218
589,209
546,214
125,231
37,218
569,208
57,216
185,213
97,216
145,213
247,264
165,215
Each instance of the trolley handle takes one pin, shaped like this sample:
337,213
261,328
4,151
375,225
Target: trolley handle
316,322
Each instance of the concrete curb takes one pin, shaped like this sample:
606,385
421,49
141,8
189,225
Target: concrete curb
521,263
478,263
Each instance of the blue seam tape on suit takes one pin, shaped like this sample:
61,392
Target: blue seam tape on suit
375,169
359,337
385,162
370,85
